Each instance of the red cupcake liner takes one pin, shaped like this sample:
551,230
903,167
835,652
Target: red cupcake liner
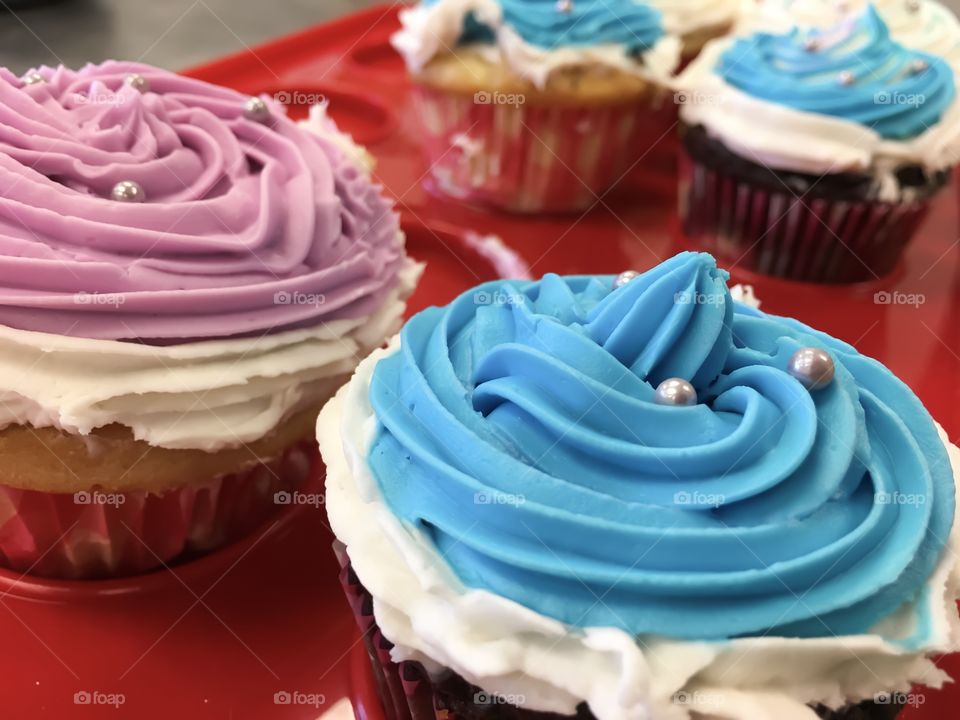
774,233
494,149
407,692
97,534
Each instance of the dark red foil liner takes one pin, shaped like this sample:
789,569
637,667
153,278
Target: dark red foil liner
95,534
774,233
408,693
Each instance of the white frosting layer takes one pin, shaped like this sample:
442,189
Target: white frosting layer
319,122
783,138
920,24
511,651
202,395
683,17
428,31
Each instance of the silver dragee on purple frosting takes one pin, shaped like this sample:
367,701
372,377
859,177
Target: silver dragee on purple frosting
239,215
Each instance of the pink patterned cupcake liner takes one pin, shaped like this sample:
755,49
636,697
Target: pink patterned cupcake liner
774,233
494,149
98,534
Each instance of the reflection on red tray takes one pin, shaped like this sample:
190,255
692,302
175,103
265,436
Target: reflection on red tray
219,637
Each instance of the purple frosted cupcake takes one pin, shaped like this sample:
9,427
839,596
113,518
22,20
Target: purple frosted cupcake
186,275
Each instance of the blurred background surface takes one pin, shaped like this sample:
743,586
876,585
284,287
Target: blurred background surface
169,33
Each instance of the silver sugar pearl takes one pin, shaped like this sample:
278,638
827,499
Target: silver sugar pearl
813,367
128,191
919,65
256,109
913,6
138,82
812,44
624,277
565,6
675,391
33,78
846,78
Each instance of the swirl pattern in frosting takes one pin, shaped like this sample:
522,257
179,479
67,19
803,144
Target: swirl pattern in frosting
249,226
853,71
517,429
635,25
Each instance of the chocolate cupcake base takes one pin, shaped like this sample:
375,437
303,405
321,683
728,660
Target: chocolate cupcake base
407,692
829,229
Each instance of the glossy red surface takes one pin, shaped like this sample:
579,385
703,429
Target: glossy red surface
219,637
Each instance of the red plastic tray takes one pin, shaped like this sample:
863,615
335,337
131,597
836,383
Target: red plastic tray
219,638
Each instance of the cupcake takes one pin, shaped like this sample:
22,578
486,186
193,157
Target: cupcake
633,497
187,276
919,24
696,22
537,106
814,155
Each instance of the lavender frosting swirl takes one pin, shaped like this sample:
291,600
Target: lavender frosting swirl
242,218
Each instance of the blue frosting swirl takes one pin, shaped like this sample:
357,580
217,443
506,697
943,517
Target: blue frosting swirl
899,93
517,428
630,23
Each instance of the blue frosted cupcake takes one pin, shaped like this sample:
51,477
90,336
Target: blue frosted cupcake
636,498
814,154
537,106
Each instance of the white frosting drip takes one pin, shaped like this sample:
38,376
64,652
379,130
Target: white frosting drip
509,650
682,17
783,138
929,26
201,395
433,30
320,123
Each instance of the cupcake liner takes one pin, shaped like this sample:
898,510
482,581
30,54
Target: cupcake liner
407,692
771,232
495,149
97,534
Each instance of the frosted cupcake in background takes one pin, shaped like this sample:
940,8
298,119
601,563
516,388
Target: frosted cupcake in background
621,498
697,22
924,25
187,276
537,106
813,154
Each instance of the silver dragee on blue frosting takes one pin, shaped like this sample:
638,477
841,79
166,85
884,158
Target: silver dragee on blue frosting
854,72
517,427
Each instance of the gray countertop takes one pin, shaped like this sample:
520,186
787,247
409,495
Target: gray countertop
168,33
